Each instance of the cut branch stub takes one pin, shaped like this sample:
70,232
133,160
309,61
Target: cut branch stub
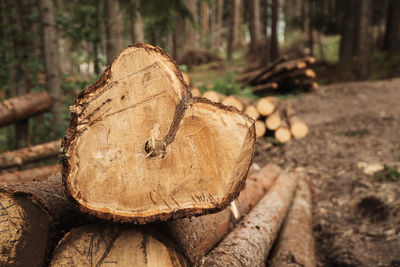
140,148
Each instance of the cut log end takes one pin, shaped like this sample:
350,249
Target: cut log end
252,112
96,245
24,232
234,102
283,135
267,105
273,121
260,128
195,92
213,96
299,130
145,145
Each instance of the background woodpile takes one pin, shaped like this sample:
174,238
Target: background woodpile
18,166
281,76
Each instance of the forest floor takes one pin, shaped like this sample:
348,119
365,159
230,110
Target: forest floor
356,218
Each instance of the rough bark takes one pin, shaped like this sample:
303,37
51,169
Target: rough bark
274,53
170,167
254,25
118,245
114,29
29,175
233,33
33,216
197,236
23,107
295,244
29,154
51,61
250,242
137,26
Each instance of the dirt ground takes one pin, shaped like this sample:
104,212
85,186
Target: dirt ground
356,218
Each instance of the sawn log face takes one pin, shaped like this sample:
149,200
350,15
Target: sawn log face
139,148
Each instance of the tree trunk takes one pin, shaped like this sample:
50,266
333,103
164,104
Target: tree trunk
205,23
33,217
296,240
30,175
52,62
392,35
164,170
136,22
254,25
363,42
114,28
22,49
29,154
220,26
274,30
233,34
117,245
191,30
250,242
197,236
24,107
310,28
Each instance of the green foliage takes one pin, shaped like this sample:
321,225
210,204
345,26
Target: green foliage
227,85
389,173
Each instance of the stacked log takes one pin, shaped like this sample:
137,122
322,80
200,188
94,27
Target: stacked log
282,76
29,175
23,107
190,159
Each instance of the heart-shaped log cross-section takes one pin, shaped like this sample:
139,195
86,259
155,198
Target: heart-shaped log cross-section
139,148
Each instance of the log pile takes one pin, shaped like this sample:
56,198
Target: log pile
282,76
186,156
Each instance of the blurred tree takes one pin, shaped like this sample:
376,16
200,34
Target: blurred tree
219,22
191,27
137,27
392,35
274,46
114,28
205,23
254,24
233,33
362,50
51,62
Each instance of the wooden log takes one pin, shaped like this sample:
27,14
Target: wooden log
295,245
30,154
260,128
273,121
164,168
250,242
255,73
283,134
252,112
195,92
267,105
197,236
264,87
233,101
213,96
115,245
297,127
29,175
25,106
287,76
33,216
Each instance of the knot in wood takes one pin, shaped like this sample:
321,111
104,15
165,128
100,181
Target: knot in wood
155,147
